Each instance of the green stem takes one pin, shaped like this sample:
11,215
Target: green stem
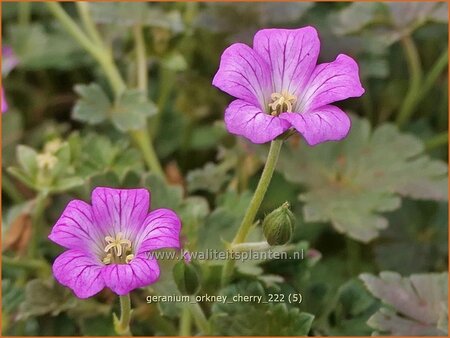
72,28
24,14
254,246
432,76
122,326
185,322
353,256
11,190
89,24
437,141
105,59
141,59
28,264
144,142
415,71
36,223
99,52
199,317
255,203
166,83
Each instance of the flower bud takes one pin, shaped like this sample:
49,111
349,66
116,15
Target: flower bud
186,278
278,226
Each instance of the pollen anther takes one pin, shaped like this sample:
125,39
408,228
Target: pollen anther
281,102
117,244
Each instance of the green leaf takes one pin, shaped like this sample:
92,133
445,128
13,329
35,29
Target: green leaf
210,178
131,110
415,303
412,14
164,196
353,308
223,222
12,132
26,156
129,14
67,184
45,297
352,181
192,210
12,296
23,177
417,240
96,155
256,319
355,17
93,106
38,48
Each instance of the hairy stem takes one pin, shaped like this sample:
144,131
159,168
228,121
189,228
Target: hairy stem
123,325
141,58
89,24
24,14
415,72
255,203
36,223
105,59
185,322
199,317
144,142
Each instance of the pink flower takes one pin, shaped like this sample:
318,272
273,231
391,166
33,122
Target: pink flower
108,243
278,85
9,62
4,103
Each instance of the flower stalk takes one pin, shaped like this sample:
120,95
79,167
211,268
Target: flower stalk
36,219
122,326
255,203
199,317
418,88
104,57
415,71
185,322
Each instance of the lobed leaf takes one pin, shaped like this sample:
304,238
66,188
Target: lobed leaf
351,182
417,303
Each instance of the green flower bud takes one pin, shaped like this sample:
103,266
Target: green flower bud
186,278
278,226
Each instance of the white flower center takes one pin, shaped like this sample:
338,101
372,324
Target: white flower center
118,250
281,103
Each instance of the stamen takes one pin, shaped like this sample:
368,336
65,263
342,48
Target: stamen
107,259
282,102
116,247
129,258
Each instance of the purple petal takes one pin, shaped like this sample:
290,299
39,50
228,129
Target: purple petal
120,210
4,104
242,118
9,60
75,228
161,230
80,272
123,278
292,55
331,82
244,74
327,123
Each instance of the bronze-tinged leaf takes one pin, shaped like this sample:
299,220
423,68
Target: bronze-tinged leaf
18,235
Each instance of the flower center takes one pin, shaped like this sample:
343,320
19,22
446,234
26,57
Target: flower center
118,250
281,103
